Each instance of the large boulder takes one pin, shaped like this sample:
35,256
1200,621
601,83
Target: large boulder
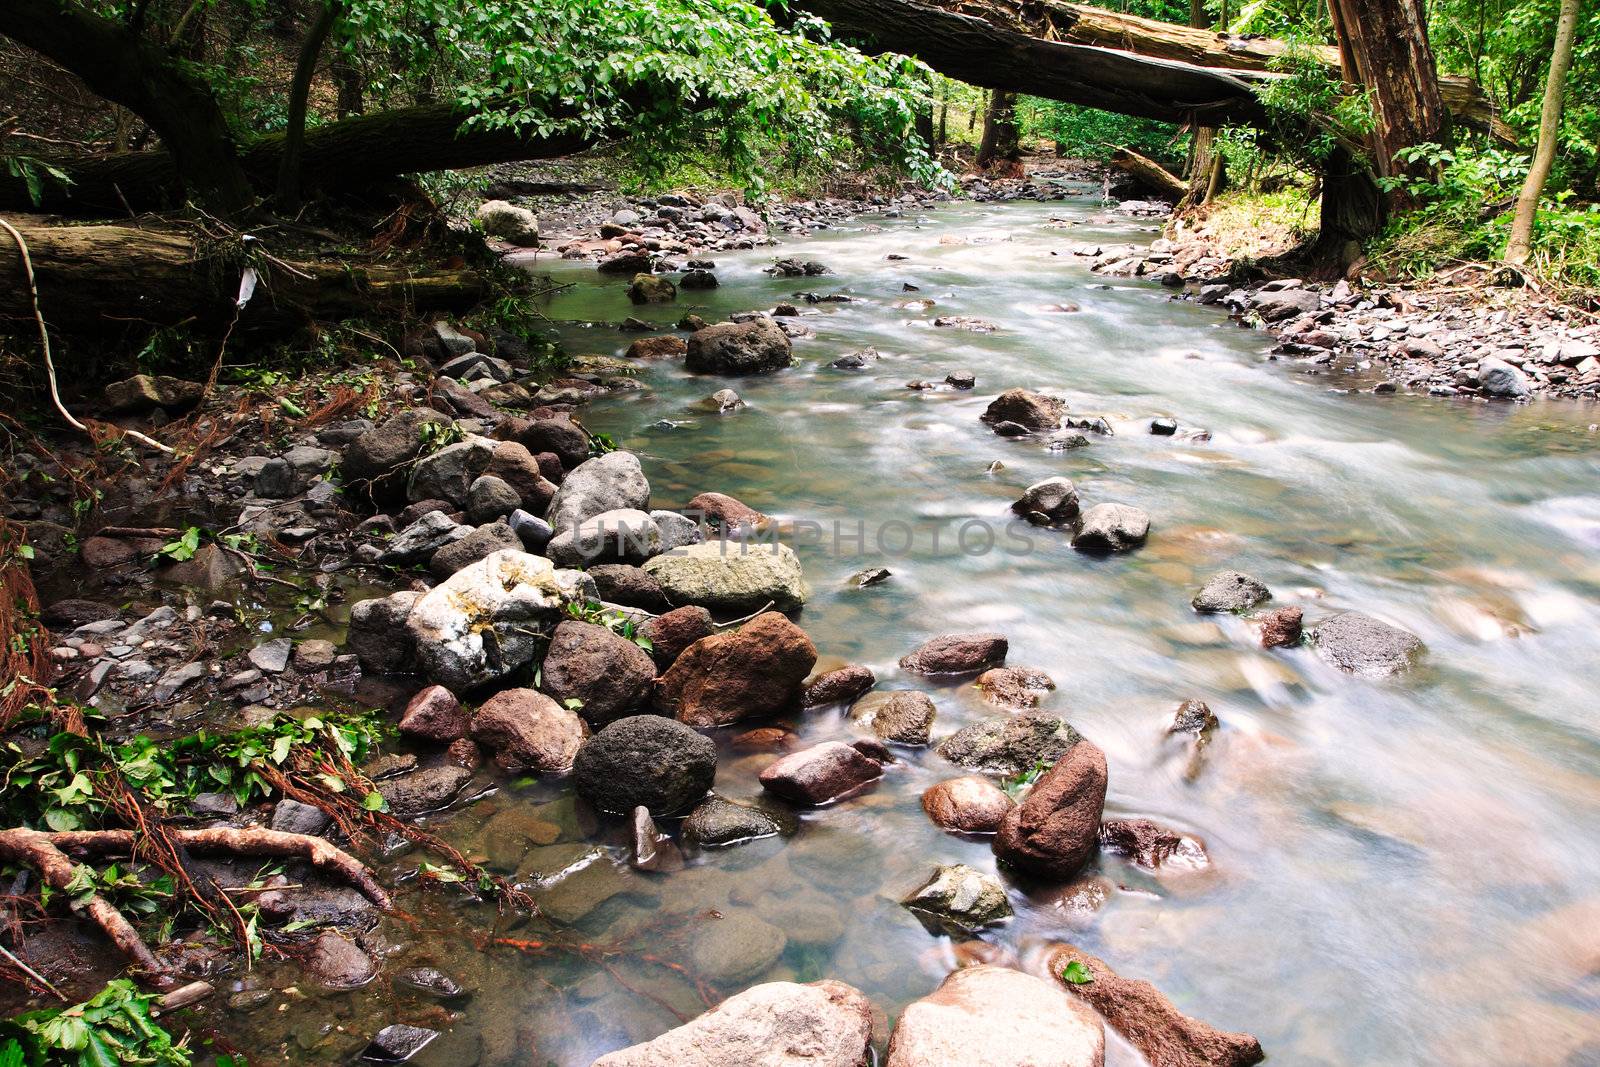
645,761
731,577
1034,411
1009,744
969,805
490,619
903,716
448,474
1229,591
820,773
755,670
385,448
1139,1012
999,1018
1112,528
957,654
958,900
779,1024
1359,644
516,225
755,347
1285,304
379,635
1055,830
609,676
606,483
528,733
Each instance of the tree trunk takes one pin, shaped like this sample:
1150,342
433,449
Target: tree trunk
342,156
347,76
1518,248
128,70
294,137
1001,142
1202,164
1353,210
98,279
1383,47
1150,175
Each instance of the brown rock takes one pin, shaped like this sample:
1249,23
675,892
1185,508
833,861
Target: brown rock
1137,1010
674,631
666,346
464,752
1280,628
957,654
723,512
1149,844
839,687
755,670
608,674
1053,833
338,963
528,732
519,468
1014,687
115,551
435,715
764,738
559,435
904,716
1033,410
969,805
820,773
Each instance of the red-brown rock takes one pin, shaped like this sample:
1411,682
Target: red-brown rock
674,631
528,732
665,346
434,715
839,687
753,671
1281,628
1054,832
820,773
957,654
1150,844
723,512
519,468
609,675
969,805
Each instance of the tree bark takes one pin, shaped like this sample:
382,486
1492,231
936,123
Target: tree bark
1353,210
1001,141
1518,247
1383,47
100,279
342,156
294,137
1151,175
126,69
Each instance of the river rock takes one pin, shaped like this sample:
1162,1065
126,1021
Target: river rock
517,225
434,715
379,635
820,773
1112,528
490,498
838,687
608,675
736,348
958,900
677,529
1032,411
725,400
1014,687
664,346
1359,644
780,1024
1009,744
903,716
755,670
1229,591
645,760
1498,378
731,577
997,1017
1285,304
528,733
716,822
534,532
957,654
1137,1010
558,435
735,947
1048,503
338,963
969,805
625,534
291,816
478,545
426,790
418,542
448,474
722,512
1149,844
1054,832
145,391
1193,717
630,586
387,447
606,483
674,631
652,289
1281,628
431,982
488,619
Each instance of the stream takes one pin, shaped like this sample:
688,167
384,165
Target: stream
1401,871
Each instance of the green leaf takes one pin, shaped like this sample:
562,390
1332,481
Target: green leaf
1075,973
374,801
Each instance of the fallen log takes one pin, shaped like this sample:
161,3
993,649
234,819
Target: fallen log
104,278
1097,58
1151,175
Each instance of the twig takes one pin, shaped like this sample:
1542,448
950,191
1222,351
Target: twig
44,340
31,973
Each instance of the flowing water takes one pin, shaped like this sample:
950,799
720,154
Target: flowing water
1402,871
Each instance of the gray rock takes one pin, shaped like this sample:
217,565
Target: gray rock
425,790
1112,528
1359,644
389,446
1500,379
516,225
293,817
398,1042
533,531
624,535
144,391
1229,591
716,822
419,541
480,544
272,656
677,530
737,348
490,498
448,474
731,576
959,900
605,483
1285,304
378,634
645,760
1048,503
1009,744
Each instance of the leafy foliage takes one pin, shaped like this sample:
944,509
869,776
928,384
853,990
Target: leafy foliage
1089,133
113,1027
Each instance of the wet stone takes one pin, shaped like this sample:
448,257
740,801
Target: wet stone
430,982
397,1043
959,900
